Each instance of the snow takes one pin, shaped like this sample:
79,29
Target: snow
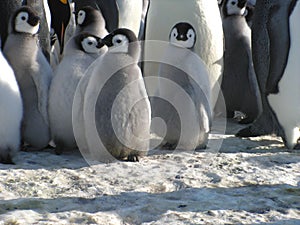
245,181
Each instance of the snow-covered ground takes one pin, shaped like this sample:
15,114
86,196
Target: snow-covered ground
245,181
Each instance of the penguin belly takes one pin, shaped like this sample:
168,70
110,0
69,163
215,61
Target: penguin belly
205,17
11,113
286,103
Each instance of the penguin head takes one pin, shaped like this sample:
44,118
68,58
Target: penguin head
183,35
89,43
26,20
122,40
234,7
87,15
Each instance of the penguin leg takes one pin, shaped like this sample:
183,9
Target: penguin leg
133,158
5,157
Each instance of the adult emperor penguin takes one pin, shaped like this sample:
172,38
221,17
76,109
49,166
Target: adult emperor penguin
11,112
130,14
60,18
90,20
239,85
108,8
117,111
282,87
7,9
80,52
184,83
270,35
33,74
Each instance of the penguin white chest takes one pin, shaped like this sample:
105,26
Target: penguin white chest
286,104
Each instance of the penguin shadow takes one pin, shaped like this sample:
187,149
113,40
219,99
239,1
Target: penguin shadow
46,159
141,207
233,144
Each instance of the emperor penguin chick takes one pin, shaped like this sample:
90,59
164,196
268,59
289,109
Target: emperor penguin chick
80,52
184,87
11,112
239,84
116,106
89,19
33,73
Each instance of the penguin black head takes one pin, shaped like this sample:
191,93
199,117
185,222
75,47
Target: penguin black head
87,15
122,40
89,43
26,20
183,35
234,7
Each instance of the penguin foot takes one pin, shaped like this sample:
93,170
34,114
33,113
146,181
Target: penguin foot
133,158
169,146
246,120
246,132
6,159
58,151
297,146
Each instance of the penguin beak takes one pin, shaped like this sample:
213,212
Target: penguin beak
34,20
100,43
107,40
182,37
242,3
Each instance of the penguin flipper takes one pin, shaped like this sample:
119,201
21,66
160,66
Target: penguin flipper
42,82
278,30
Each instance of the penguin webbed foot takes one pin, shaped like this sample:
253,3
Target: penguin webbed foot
133,158
297,146
246,132
169,146
6,159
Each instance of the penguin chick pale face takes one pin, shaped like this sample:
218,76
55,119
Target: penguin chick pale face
183,35
26,21
119,41
90,43
235,7
81,17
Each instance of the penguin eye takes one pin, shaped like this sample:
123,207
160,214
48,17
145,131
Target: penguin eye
90,43
23,18
119,39
233,3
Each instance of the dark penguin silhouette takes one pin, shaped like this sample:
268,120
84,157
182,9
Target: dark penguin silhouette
270,36
239,84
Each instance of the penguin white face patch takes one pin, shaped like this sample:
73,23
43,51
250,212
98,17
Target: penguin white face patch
233,8
22,25
183,35
89,44
81,17
120,44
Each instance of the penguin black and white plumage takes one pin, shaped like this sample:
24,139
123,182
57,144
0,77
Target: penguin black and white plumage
270,35
7,9
239,85
108,8
117,111
90,20
41,7
184,83
33,73
11,112
282,87
80,52
60,18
